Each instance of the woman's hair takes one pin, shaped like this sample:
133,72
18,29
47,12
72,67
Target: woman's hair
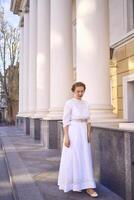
78,84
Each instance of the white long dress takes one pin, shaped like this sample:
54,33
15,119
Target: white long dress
76,169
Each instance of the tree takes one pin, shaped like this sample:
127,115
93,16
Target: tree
9,55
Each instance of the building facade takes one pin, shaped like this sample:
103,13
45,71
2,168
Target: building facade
63,41
122,67
12,82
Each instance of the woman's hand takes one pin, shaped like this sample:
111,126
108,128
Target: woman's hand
89,137
66,141
89,132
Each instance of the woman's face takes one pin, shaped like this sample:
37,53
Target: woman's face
79,92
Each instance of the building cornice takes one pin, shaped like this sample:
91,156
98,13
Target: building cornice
19,7
124,40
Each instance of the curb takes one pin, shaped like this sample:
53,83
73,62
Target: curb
9,173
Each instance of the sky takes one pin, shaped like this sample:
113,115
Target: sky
11,18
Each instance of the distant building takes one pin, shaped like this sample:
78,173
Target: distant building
3,105
9,104
13,90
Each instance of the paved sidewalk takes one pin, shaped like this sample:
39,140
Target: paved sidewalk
34,169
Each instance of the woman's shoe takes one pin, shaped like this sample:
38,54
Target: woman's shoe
92,194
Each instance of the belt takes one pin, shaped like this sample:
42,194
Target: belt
79,120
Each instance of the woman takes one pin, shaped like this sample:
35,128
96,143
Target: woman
76,170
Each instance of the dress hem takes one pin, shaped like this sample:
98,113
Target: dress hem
75,187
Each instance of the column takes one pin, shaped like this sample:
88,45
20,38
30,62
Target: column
21,65
93,55
61,68
43,58
32,56
26,64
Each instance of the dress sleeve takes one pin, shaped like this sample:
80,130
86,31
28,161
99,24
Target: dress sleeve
67,114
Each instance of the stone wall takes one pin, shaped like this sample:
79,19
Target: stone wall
113,155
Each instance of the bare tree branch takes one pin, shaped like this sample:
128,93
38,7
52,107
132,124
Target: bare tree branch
9,51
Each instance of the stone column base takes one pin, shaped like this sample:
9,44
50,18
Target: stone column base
50,133
35,128
54,114
101,113
19,123
27,125
23,123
